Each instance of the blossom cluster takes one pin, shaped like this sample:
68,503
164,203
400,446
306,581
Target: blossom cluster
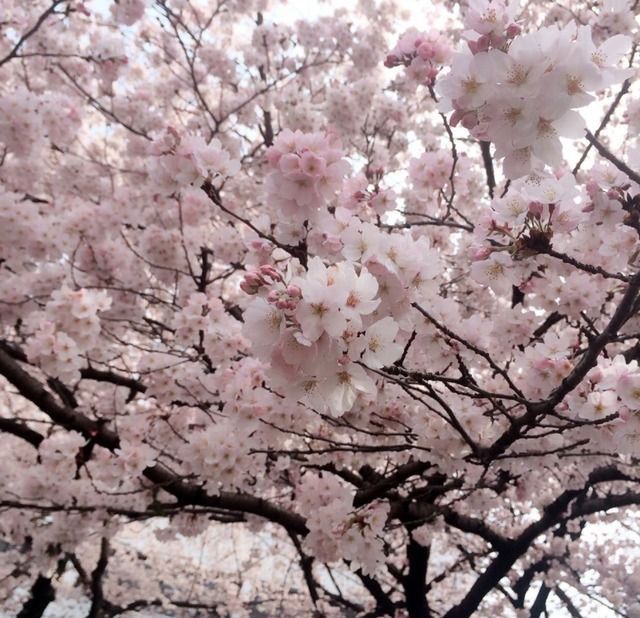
128,12
422,53
336,530
316,331
611,393
181,160
490,23
431,171
541,212
521,93
203,323
307,170
361,196
67,328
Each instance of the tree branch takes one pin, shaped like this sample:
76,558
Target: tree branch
623,167
42,593
29,33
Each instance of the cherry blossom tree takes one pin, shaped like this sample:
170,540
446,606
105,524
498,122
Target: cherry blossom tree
354,293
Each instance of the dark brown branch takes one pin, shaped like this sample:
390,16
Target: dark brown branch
589,359
551,320
32,390
540,602
98,433
384,605
98,375
621,165
568,603
488,166
415,581
393,481
607,117
42,593
21,430
589,268
472,525
306,566
88,373
586,362
553,513
97,593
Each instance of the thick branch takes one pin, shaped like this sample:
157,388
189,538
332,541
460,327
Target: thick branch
502,563
97,432
32,390
21,430
415,581
97,593
42,593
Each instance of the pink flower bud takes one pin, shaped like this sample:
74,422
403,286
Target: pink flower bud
294,291
426,51
535,209
477,254
273,296
332,243
273,156
469,120
483,43
595,375
266,270
390,61
513,30
456,117
527,286
497,40
249,287
258,244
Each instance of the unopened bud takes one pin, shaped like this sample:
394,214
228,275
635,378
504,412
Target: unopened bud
426,51
390,61
513,30
535,209
592,187
483,43
252,282
294,291
469,120
267,270
497,40
477,254
456,117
